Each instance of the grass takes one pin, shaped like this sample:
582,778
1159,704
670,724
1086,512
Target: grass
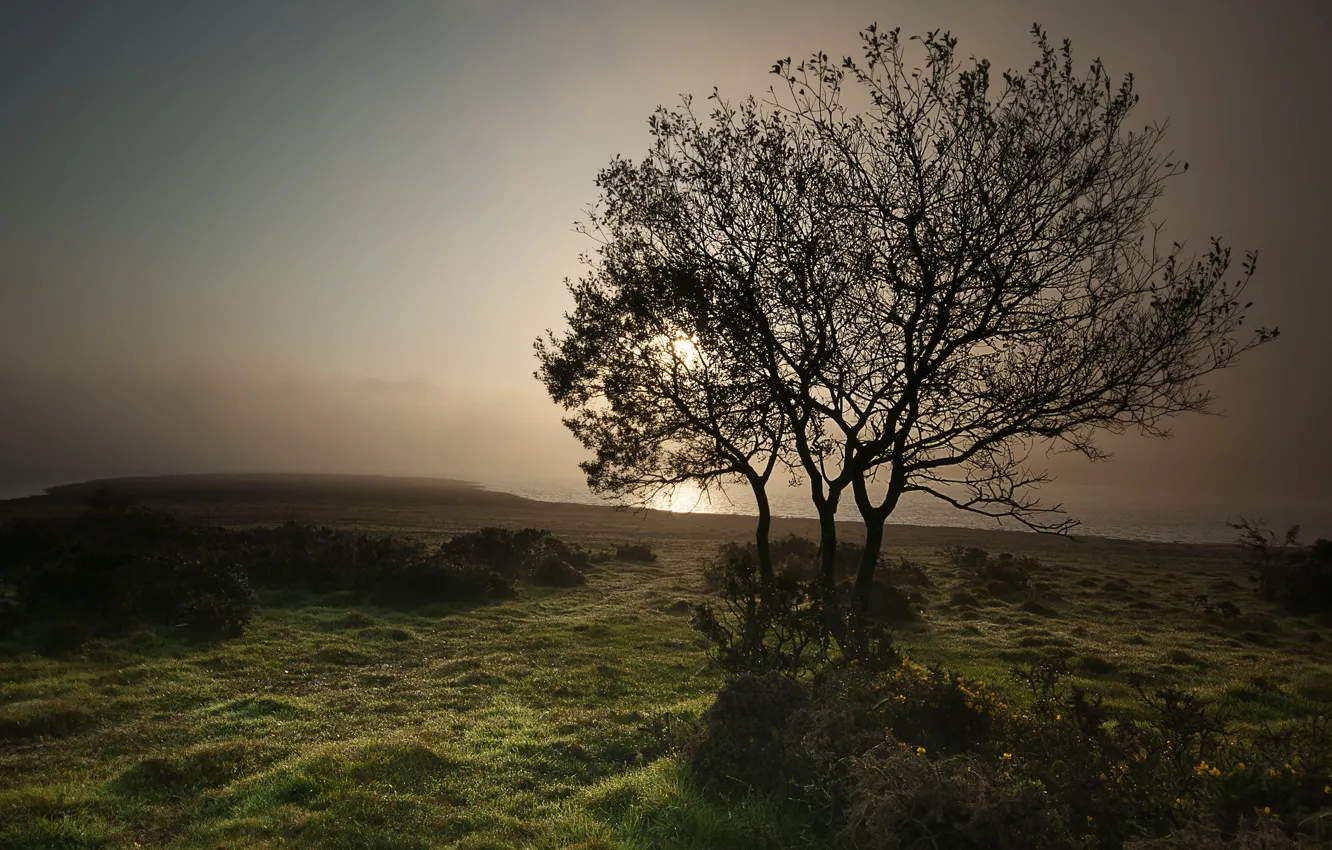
538,721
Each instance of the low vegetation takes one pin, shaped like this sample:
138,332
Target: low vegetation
1092,701
116,567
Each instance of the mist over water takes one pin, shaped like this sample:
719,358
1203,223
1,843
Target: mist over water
1104,511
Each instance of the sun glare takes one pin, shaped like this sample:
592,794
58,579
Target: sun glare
683,499
685,352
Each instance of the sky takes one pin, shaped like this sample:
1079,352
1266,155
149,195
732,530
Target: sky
262,235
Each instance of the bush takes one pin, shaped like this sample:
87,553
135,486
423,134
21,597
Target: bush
431,580
940,710
515,554
792,556
1002,575
922,754
780,628
118,567
789,626
211,597
898,798
635,552
554,571
115,570
1299,578
742,744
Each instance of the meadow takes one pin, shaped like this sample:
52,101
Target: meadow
553,718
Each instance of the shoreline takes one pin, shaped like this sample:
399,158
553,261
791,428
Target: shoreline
445,505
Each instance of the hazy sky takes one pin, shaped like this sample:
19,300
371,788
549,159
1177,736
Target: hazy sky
253,234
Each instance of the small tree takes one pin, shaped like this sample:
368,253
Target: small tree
911,276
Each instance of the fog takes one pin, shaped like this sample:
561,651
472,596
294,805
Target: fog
322,236
73,429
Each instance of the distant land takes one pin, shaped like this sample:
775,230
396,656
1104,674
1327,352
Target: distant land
397,503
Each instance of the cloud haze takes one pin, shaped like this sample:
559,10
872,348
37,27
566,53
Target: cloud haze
322,235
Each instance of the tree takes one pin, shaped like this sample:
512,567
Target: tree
912,277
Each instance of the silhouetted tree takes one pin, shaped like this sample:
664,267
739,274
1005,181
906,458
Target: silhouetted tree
658,398
910,277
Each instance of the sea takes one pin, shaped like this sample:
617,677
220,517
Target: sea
1101,510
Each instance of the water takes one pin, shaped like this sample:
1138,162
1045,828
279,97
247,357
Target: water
1120,512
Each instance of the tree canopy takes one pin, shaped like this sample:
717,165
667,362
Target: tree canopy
891,274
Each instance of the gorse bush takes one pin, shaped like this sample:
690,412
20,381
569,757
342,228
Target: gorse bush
117,567
635,552
1299,578
897,797
781,628
516,554
791,625
792,556
923,757
1001,575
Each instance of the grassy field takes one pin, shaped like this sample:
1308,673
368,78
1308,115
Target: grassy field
544,721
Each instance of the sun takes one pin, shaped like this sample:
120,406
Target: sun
684,351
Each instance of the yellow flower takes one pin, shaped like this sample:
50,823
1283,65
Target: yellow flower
1267,810
1059,717
920,751
1007,755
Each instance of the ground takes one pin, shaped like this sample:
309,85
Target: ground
545,720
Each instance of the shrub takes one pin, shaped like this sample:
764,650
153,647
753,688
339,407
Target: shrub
924,757
1299,578
1001,575
515,554
118,569
431,580
554,571
789,626
742,743
113,569
940,710
899,798
212,597
635,552
757,629
792,556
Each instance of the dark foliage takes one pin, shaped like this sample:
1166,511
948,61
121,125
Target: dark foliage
635,553
900,799
923,757
742,743
1299,578
114,568
117,567
789,626
782,627
1001,575
554,571
515,554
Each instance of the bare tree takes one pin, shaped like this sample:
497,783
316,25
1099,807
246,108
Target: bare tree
925,277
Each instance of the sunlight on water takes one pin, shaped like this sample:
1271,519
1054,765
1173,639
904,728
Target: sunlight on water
683,499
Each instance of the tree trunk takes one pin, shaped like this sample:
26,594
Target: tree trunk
827,580
874,517
762,534
869,560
